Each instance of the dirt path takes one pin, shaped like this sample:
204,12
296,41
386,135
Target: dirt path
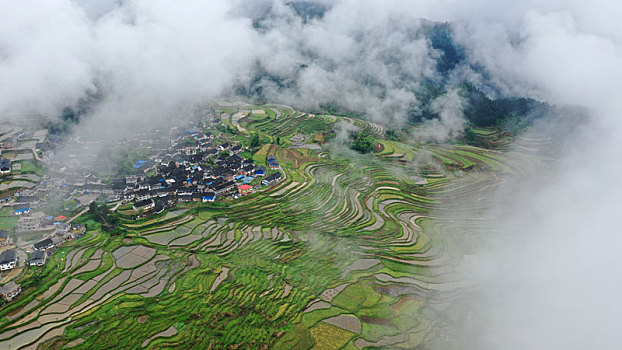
235,119
169,332
82,212
276,111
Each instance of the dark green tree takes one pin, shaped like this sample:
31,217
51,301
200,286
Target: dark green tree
102,214
362,141
255,140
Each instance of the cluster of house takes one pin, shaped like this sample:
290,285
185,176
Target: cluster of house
272,163
8,258
188,164
23,144
195,172
185,166
29,220
42,249
38,257
75,181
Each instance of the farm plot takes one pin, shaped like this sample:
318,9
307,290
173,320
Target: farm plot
345,253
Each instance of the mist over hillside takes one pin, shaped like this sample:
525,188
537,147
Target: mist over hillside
382,63
548,276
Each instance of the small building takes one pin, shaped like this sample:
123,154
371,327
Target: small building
224,188
22,209
197,197
183,198
10,290
34,200
260,171
272,178
37,258
245,189
144,205
131,180
28,223
248,169
4,237
44,244
209,197
8,259
190,150
142,195
5,197
5,166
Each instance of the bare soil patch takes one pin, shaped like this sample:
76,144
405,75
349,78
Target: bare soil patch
348,322
169,332
376,320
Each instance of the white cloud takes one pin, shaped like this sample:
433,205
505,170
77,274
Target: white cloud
557,278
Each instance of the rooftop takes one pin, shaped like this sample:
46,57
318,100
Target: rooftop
8,256
9,287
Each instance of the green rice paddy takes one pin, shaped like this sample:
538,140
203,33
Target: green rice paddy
344,253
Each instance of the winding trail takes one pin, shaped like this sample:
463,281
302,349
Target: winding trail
276,111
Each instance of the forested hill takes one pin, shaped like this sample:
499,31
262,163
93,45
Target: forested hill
481,110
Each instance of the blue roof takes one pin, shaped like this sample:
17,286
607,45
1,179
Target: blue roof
239,177
139,163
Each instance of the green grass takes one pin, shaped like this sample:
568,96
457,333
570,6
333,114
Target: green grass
8,223
31,166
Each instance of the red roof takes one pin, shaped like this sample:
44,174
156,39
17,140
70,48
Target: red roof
245,187
62,217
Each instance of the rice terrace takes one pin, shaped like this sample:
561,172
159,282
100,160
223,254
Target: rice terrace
347,251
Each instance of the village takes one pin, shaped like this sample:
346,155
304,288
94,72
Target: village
200,172
181,164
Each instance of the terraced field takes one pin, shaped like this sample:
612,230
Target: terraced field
347,252
289,123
